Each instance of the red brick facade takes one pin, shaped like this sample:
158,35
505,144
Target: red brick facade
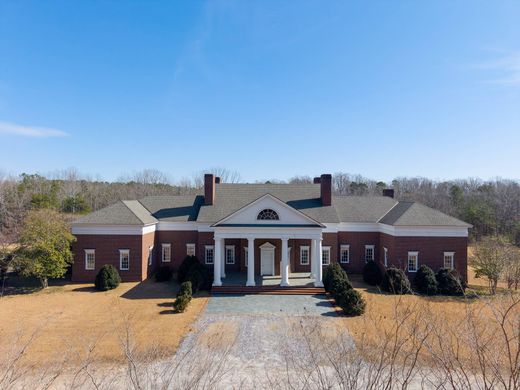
431,250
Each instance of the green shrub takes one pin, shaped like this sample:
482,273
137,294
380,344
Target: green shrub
107,278
184,268
181,303
351,302
449,282
331,272
372,273
425,281
339,284
395,281
185,289
163,274
199,276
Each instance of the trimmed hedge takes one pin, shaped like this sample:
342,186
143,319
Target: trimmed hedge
163,274
395,281
351,302
372,273
449,282
183,297
107,278
425,281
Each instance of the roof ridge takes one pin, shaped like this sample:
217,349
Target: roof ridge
133,212
389,210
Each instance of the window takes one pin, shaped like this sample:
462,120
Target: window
150,255
268,214
304,255
209,254
325,255
413,261
124,259
385,256
369,253
190,249
246,254
166,253
344,254
230,254
449,260
90,259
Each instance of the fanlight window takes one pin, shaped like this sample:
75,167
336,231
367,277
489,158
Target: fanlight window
268,214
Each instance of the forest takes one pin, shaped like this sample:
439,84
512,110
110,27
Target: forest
491,206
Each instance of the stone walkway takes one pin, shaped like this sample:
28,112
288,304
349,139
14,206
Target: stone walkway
254,333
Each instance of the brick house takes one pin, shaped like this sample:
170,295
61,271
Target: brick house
267,229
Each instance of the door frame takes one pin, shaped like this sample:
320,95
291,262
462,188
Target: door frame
267,248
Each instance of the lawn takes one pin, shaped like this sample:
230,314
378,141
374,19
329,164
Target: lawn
64,323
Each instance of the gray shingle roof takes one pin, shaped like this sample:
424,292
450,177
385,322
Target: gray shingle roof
416,214
305,198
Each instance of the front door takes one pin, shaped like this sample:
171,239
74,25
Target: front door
267,261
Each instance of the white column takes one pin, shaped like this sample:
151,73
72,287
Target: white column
250,262
313,259
285,263
216,262
223,257
318,279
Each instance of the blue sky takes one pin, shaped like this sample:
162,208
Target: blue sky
271,89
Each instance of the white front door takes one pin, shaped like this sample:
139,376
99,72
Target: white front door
267,261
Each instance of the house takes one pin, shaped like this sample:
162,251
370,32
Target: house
267,229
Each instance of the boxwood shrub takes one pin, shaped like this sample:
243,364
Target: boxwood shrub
425,281
449,282
332,271
395,281
183,297
372,273
351,302
107,278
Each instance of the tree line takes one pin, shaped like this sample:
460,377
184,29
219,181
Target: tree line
492,207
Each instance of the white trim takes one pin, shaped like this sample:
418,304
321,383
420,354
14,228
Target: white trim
397,231
452,255
206,248
193,247
416,254
230,247
267,248
177,226
150,255
343,248
130,230
169,257
268,233
90,252
385,256
323,250
123,252
373,247
305,248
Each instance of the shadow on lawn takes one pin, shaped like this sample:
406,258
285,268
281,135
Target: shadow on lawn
19,285
150,289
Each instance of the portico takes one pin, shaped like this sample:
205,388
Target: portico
267,251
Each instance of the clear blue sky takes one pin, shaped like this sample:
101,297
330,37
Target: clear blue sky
268,88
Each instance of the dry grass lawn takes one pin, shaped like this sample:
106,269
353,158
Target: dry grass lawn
66,322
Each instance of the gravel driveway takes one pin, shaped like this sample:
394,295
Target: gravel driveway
253,334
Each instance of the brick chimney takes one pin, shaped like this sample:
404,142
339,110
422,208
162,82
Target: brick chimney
326,189
209,189
388,192
316,180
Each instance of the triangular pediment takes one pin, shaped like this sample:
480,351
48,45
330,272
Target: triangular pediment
287,215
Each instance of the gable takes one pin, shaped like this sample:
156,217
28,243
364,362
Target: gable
287,215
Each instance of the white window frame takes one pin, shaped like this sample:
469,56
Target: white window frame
373,248
231,250
87,253
246,254
206,249
190,249
452,256
343,249
385,256
150,255
410,255
325,249
165,259
122,253
302,250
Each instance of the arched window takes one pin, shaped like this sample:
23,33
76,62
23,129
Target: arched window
268,214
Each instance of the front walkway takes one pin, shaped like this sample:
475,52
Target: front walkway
250,338
296,279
